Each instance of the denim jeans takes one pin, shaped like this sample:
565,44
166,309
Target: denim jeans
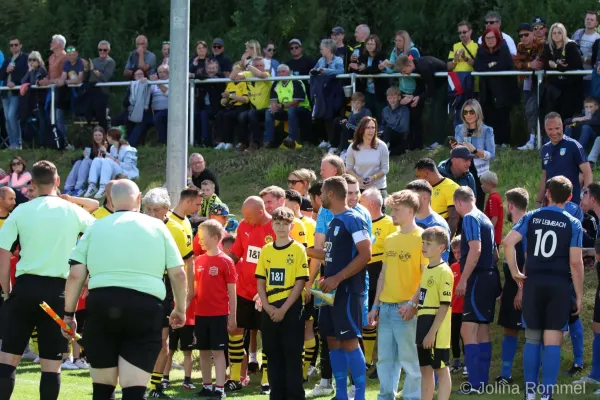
161,119
103,170
397,349
595,152
78,175
584,134
293,115
13,125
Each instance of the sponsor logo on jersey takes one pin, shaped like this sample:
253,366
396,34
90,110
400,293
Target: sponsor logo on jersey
430,281
290,259
563,151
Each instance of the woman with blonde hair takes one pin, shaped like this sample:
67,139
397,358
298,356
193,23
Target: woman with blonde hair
253,50
37,98
300,181
562,93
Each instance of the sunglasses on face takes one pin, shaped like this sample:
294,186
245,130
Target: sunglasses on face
491,22
293,181
294,47
270,50
14,45
32,59
217,46
522,35
469,112
463,32
16,163
103,50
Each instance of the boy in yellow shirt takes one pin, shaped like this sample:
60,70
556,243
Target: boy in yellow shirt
433,322
396,300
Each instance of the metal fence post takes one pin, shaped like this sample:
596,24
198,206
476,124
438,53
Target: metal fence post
538,77
192,112
52,105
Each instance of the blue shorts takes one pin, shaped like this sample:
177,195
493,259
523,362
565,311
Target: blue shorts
343,320
547,303
480,297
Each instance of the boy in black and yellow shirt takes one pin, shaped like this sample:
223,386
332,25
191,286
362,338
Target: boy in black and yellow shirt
433,323
281,273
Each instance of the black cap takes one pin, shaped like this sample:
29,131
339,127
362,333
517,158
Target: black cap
538,21
525,27
338,29
461,152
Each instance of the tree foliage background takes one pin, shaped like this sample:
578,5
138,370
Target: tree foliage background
431,23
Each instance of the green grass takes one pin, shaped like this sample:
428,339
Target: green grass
244,174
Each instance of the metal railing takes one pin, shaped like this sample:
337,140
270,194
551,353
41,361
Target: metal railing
352,77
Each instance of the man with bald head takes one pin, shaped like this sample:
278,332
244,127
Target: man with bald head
254,232
197,173
361,33
126,293
140,58
107,208
7,203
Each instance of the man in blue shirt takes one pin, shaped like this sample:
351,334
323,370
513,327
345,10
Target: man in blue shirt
479,284
554,268
457,167
425,216
562,156
347,252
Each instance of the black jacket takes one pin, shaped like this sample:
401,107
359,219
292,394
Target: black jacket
327,96
21,68
427,86
593,122
213,90
502,91
381,84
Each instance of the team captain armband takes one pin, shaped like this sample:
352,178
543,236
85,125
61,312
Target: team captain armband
359,236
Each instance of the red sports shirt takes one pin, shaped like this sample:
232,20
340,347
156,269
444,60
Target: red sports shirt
247,246
494,208
213,273
457,302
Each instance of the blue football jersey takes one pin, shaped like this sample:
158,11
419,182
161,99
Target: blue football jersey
550,232
435,219
477,226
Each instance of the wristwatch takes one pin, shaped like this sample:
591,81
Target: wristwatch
413,305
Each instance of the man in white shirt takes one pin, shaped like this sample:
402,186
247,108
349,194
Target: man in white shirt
585,39
494,20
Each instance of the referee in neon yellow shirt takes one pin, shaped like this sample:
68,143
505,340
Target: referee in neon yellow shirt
47,229
126,254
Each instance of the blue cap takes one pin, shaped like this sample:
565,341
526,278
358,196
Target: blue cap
220,209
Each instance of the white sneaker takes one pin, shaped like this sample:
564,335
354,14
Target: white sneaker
526,146
320,391
91,190
100,193
312,371
68,364
324,145
220,146
586,380
434,146
228,146
352,392
332,150
29,355
37,360
177,366
81,364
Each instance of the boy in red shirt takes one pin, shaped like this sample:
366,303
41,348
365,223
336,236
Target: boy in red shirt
494,209
457,308
215,294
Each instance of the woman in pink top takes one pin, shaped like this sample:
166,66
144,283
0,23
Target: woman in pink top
18,178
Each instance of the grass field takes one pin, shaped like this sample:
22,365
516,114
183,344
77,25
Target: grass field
244,174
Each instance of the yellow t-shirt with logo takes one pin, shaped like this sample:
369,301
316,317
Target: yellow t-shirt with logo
310,226
436,290
178,233
259,92
382,228
403,261
237,89
281,268
298,232
463,66
187,228
443,196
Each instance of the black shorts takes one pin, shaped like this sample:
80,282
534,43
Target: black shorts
123,323
547,302
509,317
81,317
374,270
310,311
184,337
168,309
480,297
211,332
248,317
343,320
21,313
434,358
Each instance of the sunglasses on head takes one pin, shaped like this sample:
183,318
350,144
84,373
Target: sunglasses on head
462,32
14,44
217,46
538,28
468,112
166,42
103,50
294,47
522,35
70,50
491,22
293,181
